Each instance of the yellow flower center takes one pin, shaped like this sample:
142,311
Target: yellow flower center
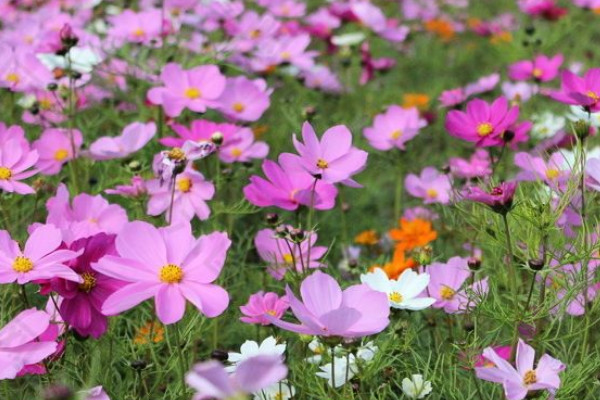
272,312
278,396
22,264
5,173
176,154
288,258
184,184
593,95
45,103
396,134
395,297
171,273
432,193
235,152
12,78
322,164
447,293
89,282
552,173
484,129
255,34
139,32
61,154
238,107
285,55
537,72
192,93
530,377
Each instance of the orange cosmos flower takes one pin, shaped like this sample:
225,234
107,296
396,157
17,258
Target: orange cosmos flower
150,332
418,100
501,37
398,265
413,234
441,28
367,238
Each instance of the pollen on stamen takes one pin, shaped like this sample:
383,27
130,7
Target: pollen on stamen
61,154
552,173
395,297
530,377
322,164
432,193
238,107
484,129
193,93
89,282
171,273
22,264
396,134
5,173
184,184
447,293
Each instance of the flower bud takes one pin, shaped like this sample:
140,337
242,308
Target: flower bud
138,365
219,355
474,263
272,219
297,235
581,128
58,392
536,264
217,138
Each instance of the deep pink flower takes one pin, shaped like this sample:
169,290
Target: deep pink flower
16,159
517,382
288,187
333,158
244,99
40,259
370,65
477,166
326,310
20,343
260,304
197,88
81,303
137,188
55,148
170,265
579,91
431,186
499,199
394,128
547,9
134,136
482,123
540,69
283,255
502,352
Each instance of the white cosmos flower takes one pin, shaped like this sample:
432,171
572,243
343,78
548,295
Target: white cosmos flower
578,113
545,125
80,59
277,391
402,293
251,348
346,366
415,387
348,39
319,349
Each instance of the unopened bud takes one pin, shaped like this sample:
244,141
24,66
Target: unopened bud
138,365
58,392
297,235
581,128
536,264
219,355
272,219
474,263
217,138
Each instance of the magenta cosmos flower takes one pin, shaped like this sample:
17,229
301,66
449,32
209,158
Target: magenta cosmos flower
16,159
55,149
170,265
579,91
81,303
20,344
41,259
333,158
482,123
289,187
283,255
540,69
326,310
394,128
197,89
499,199
135,136
261,304
191,193
517,382
211,381
432,186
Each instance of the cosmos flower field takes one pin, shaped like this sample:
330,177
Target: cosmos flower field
299,199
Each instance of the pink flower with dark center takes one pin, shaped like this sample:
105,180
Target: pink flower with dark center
499,199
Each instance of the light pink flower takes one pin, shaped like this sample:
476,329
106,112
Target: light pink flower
134,136
432,186
55,148
16,159
244,99
260,304
394,128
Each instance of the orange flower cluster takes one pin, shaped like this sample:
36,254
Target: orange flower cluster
441,28
367,238
152,331
418,100
413,234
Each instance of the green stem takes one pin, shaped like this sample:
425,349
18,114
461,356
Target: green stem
180,356
399,189
512,275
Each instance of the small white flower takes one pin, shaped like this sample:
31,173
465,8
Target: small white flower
345,369
80,59
578,113
545,125
277,391
348,39
415,387
402,293
27,101
251,348
319,349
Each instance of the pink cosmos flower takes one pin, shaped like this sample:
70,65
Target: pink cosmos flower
87,216
482,123
135,136
211,381
484,84
169,163
567,283
284,50
287,8
326,310
137,188
252,29
244,99
242,147
499,199
370,65
547,9
394,128
95,393
191,192
446,286
170,265
259,304
517,382
452,97
555,172
283,255
322,78
289,187
16,159
432,186
197,89
20,344
592,170
143,27
333,158
20,70
477,166
502,352
519,92
41,258
55,148
541,69
81,303
579,91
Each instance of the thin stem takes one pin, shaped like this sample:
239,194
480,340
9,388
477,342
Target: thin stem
512,276
585,261
180,356
333,367
530,293
172,201
399,188
311,211
24,294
